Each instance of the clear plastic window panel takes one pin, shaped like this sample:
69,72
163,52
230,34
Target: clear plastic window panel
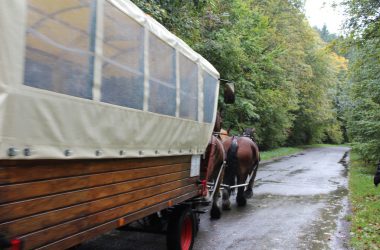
209,90
123,62
162,81
58,46
188,71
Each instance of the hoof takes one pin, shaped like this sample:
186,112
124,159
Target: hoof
225,194
248,194
226,205
215,212
241,201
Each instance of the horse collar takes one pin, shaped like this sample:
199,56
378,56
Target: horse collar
234,140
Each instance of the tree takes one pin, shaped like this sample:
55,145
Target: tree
364,17
364,40
325,34
284,79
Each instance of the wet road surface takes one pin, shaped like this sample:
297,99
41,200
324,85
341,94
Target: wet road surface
299,202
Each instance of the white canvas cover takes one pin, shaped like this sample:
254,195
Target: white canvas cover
99,78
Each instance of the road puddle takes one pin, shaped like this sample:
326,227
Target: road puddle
330,230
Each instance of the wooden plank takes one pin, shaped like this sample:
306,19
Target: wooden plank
16,192
61,231
69,162
18,171
16,210
34,223
76,239
3,175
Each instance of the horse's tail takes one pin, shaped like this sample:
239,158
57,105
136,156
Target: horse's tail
232,163
376,179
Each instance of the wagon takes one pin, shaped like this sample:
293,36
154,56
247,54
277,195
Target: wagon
104,116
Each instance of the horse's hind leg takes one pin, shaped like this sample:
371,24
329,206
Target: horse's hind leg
240,198
226,203
248,192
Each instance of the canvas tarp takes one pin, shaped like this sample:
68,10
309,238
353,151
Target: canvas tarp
66,66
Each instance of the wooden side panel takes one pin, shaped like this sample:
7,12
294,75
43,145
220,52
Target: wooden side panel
23,171
27,190
80,199
91,233
15,210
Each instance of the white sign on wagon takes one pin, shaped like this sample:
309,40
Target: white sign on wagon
195,165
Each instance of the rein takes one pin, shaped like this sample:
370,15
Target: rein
219,133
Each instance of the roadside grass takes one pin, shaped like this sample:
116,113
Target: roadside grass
278,152
284,151
365,200
326,145
319,146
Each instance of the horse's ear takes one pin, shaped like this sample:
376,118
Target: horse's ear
229,130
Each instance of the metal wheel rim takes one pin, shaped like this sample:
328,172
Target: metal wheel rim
186,233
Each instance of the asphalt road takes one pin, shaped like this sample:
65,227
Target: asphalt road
299,202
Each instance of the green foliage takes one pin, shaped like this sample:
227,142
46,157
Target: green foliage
364,128
364,17
317,120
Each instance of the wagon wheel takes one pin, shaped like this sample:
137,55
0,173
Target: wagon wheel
181,229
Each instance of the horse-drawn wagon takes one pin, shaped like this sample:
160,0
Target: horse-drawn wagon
104,116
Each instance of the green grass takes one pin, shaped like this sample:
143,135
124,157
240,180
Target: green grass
278,152
365,200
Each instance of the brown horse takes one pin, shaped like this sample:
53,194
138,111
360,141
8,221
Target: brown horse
243,159
213,164
212,167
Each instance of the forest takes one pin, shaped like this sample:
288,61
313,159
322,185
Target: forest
295,84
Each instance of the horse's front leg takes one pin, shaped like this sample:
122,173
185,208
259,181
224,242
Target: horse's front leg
215,210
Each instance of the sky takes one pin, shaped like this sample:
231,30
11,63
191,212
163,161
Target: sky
320,12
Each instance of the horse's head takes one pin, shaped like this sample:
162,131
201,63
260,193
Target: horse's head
224,134
249,132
